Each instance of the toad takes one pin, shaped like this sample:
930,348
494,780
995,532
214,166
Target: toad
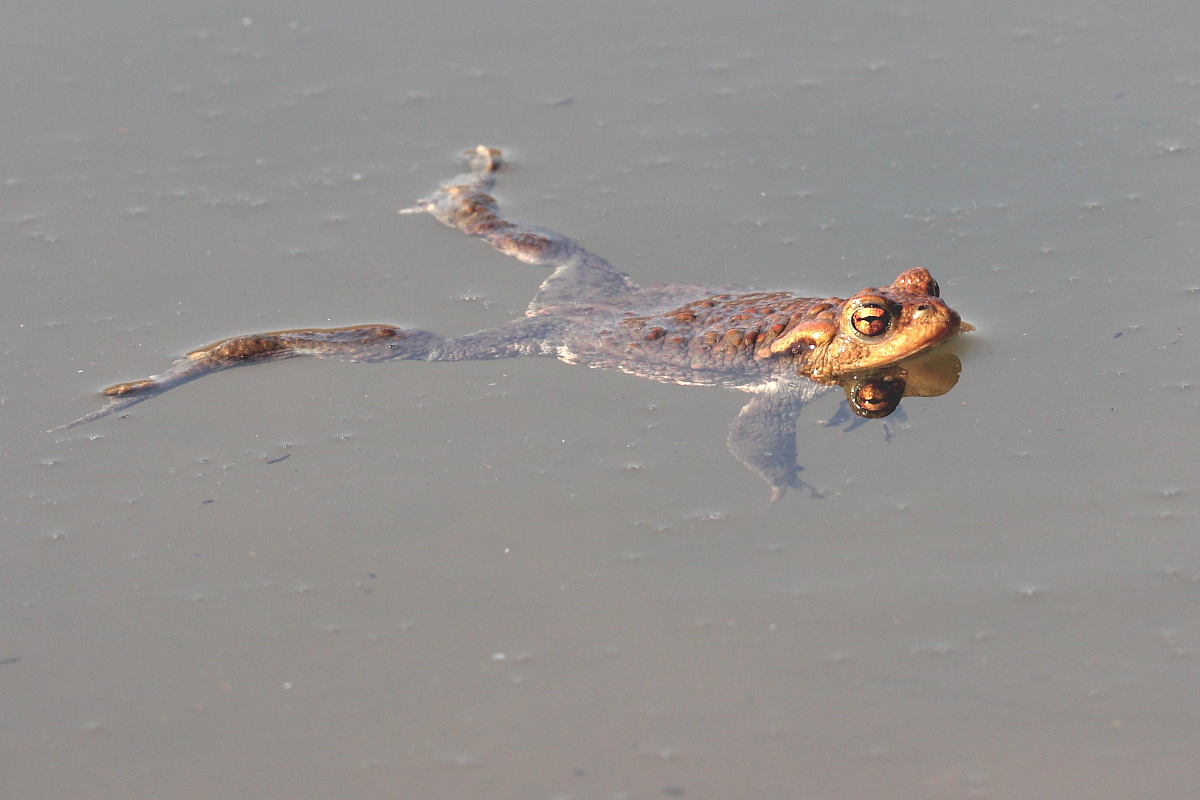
782,347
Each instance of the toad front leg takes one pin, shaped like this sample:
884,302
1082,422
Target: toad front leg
763,435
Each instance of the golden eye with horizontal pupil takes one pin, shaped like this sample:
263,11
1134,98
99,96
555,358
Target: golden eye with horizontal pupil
870,320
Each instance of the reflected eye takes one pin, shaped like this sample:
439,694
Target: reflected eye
875,398
870,320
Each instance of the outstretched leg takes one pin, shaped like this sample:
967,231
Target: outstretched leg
361,343
355,343
579,276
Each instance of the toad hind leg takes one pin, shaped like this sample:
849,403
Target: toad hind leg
359,343
354,343
579,276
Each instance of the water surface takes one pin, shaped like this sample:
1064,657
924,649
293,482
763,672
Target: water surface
519,579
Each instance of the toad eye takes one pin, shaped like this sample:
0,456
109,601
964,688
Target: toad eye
870,320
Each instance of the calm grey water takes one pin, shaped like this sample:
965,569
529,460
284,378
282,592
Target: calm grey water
517,579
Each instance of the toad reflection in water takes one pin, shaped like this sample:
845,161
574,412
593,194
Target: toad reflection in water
781,347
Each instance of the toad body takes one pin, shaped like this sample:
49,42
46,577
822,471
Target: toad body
781,346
